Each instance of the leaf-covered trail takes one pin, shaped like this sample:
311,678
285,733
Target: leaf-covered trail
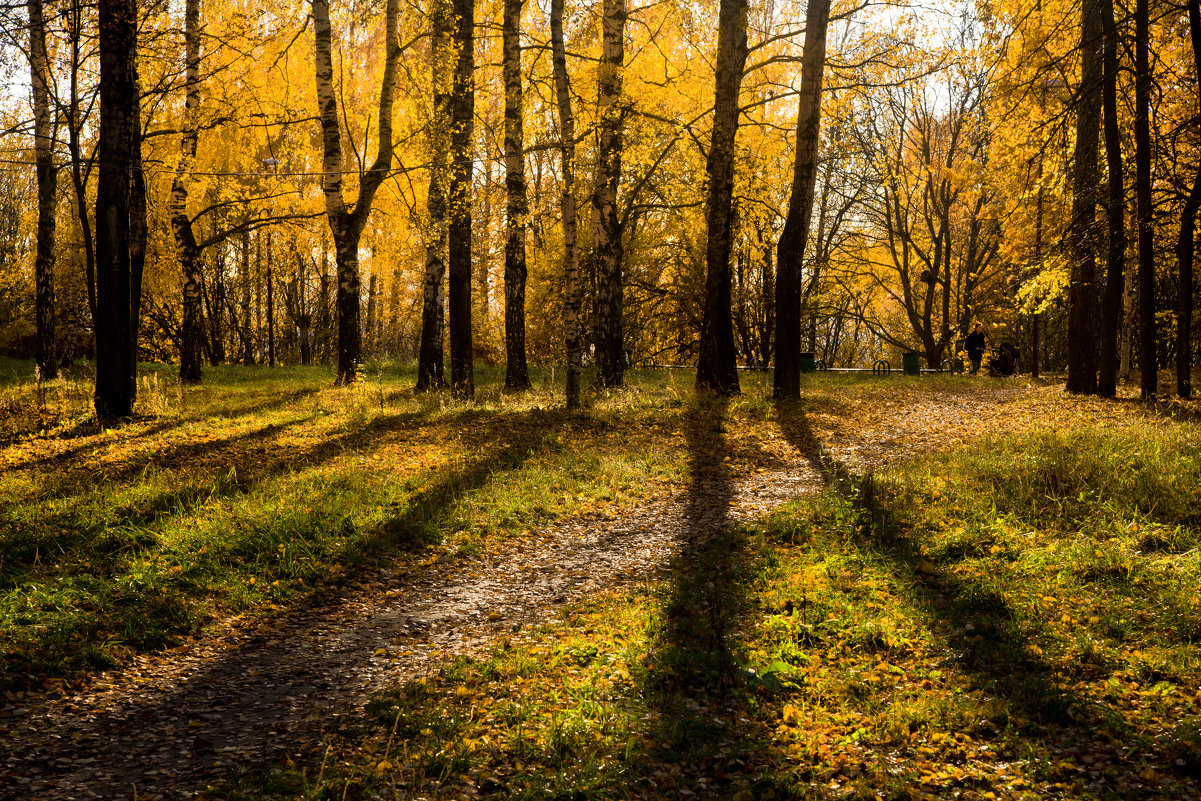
169,725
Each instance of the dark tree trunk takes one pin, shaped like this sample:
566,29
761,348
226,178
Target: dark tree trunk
1142,200
430,353
462,119
571,270
517,374
119,125
245,331
270,305
346,223
1083,235
606,223
1107,379
216,316
791,248
79,170
1186,242
717,363
47,174
767,296
181,225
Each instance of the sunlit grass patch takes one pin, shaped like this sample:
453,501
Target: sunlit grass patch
242,495
961,626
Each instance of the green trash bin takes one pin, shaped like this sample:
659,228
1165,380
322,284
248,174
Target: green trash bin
808,365
912,363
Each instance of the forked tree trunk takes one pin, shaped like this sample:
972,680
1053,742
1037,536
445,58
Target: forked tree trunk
47,174
571,268
346,223
1186,242
1083,236
606,224
1148,368
717,364
1107,378
115,368
462,119
517,374
430,353
791,248
181,225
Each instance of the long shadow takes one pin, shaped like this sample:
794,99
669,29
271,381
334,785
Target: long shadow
984,631
696,677
174,740
64,458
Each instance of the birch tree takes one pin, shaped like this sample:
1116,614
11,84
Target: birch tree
47,179
346,223
790,251
181,224
571,271
606,224
462,129
517,374
717,367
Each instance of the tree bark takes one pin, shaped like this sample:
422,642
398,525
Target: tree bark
47,176
717,363
571,268
1083,235
462,119
80,173
1185,243
119,123
517,374
790,251
1148,369
270,282
346,223
606,224
430,353
1107,380
181,225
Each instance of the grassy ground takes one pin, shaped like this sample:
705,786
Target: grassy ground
245,495
1018,618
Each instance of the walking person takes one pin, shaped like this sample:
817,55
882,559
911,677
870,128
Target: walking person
975,347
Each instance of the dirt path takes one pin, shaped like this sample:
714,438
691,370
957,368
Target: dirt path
164,729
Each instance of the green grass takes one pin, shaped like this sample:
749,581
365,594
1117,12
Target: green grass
246,494
1012,619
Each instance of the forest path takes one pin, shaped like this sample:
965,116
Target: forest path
167,726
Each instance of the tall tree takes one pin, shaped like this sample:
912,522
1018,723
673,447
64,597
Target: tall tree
1083,236
1148,368
430,353
717,364
346,223
1186,242
517,374
790,251
1107,379
119,133
462,131
47,177
571,270
181,225
606,224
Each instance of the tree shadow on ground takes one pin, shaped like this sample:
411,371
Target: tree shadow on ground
89,548
252,699
980,628
699,679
